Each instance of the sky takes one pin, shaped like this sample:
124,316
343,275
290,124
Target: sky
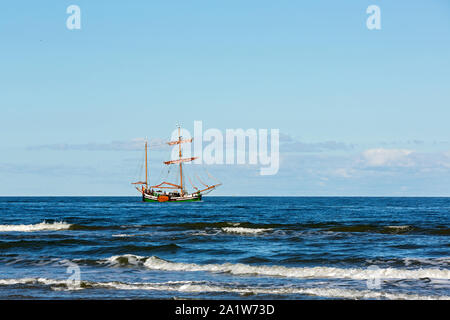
360,112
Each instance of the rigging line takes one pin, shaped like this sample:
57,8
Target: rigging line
172,176
210,175
160,174
198,178
141,168
138,170
169,174
208,191
135,169
192,183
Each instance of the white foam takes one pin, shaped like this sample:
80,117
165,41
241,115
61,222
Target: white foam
44,281
442,261
205,233
43,226
297,272
16,281
242,230
128,258
398,227
199,287
234,224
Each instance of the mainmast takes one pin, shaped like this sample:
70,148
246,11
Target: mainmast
146,164
181,163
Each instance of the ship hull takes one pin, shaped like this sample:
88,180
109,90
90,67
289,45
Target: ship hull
188,198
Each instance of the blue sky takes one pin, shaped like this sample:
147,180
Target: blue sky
361,112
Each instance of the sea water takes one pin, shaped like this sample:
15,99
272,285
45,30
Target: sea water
225,248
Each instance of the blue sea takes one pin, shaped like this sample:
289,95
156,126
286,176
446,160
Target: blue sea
225,248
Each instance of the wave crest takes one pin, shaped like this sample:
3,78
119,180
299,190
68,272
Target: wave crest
299,272
205,287
242,230
43,226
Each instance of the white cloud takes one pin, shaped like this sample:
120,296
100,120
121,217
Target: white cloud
343,172
290,144
127,145
387,157
297,146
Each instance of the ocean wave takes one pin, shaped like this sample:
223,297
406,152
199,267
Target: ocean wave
399,227
331,226
43,226
206,287
374,229
243,227
125,260
442,261
242,230
38,243
224,224
156,263
83,227
410,262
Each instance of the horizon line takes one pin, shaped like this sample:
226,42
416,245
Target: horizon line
232,196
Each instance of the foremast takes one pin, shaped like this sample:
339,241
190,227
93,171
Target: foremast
144,184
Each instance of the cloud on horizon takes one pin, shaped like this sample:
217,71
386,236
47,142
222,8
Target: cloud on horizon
387,157
290,144
127,145
305,168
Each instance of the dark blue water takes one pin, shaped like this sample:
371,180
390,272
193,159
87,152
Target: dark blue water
225,247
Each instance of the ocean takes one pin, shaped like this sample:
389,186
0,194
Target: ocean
225,248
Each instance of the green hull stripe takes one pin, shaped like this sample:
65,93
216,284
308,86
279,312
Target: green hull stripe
187,200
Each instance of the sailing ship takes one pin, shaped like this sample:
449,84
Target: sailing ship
175,191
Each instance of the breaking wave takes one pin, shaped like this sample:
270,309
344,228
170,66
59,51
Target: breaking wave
237,228
322,226
125,259
242,230
156,263
43,226
206,287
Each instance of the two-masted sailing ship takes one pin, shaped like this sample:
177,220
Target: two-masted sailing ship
170,191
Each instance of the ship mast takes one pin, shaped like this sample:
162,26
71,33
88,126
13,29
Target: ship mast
181,164
146,164
179,161
144,183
